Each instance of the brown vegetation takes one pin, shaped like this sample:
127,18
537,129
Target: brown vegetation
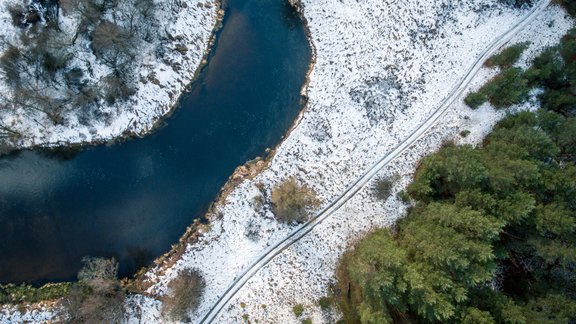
97,297
184,296
292,202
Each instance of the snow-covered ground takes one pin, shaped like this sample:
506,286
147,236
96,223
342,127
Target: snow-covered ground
382,67
187,27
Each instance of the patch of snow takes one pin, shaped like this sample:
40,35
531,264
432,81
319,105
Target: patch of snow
12,314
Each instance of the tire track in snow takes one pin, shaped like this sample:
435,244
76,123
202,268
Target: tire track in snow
369,173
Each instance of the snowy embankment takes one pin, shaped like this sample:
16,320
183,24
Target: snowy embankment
378,75
163,71
381,69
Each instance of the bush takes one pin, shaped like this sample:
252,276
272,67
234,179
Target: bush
383,188
185,293
18,14
507,89
116,89
325,303
10,65
291,202
98,269
404,197
508,56
298,310
569,5
553,72
110,41
97,297
24,293
475,99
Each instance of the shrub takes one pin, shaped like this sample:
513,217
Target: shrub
10,65
97,297
185,293
291,202
307,320
25,293
508,56
506,89
475,99
383,188
18,14
116,89
98,269
298,310
325,303
404,197
110,39
569,5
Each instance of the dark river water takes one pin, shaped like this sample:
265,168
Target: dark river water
133,200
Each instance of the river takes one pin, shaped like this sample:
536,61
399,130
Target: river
133,200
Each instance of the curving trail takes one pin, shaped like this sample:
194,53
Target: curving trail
369,173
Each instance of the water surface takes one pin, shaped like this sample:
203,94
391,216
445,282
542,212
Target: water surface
133,200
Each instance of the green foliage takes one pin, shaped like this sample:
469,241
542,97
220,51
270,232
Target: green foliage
475,316
475,99
24,293
419,273
554,71
184,296
298,310
507,204
569,5
445,173
508,56
307,320
551,309
508,88
325,303
292,202
404,197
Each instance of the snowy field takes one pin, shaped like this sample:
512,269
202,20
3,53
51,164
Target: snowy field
382,68
161,78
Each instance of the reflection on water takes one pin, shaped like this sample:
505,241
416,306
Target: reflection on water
133,200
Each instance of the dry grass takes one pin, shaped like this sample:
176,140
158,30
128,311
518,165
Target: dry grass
292,202
185,295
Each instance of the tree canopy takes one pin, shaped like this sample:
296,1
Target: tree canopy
491,238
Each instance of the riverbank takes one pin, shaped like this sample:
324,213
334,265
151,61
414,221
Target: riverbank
162,80
377,77
304,273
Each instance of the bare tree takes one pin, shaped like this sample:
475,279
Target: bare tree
98,297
